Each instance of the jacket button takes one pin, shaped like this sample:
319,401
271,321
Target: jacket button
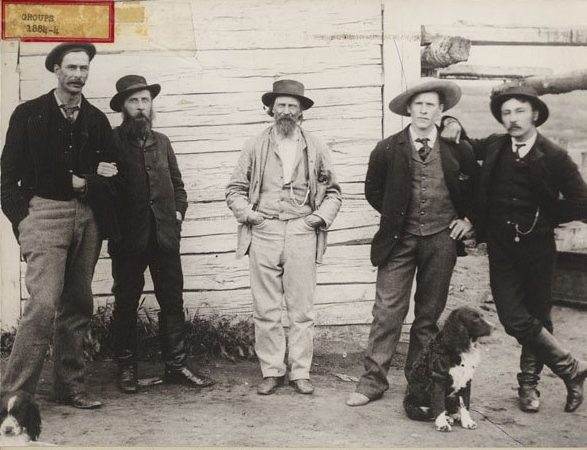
148,168
403,213
151,202
395,237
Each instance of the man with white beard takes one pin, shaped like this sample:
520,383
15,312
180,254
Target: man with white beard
284,195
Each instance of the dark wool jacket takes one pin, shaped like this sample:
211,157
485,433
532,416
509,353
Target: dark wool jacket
26,157
153,190
552,173
388,187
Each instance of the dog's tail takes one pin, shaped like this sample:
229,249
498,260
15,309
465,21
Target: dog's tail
414,412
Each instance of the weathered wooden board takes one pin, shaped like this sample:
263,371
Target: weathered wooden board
250,70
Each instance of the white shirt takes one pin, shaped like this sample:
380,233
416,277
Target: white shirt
432,136
288,152
523,151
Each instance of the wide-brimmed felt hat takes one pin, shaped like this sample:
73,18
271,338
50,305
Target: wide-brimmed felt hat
291,88
525,92
449,92
56,54
129,84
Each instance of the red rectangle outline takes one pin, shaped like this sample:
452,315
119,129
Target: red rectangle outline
109,3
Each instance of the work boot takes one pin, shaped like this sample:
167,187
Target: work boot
171,334
128,377
528,394
572,371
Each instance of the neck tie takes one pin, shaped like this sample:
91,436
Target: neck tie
424,151
69,112
517,150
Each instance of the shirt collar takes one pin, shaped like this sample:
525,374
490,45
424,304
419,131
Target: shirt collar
431,136
528,144
59,102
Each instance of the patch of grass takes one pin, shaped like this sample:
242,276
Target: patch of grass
206,336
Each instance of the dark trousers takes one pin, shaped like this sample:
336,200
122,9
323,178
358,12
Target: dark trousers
128,272
521,276
433,259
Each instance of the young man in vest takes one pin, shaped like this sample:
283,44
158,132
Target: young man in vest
421,185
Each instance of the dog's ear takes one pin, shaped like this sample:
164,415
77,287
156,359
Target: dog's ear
32,421
454,334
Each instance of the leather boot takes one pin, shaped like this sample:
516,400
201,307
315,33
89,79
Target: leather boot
530,369
572,371
172,335
128,377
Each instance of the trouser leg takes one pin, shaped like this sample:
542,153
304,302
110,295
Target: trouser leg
392,299
299,283
45,235
437,255
266,270
76,305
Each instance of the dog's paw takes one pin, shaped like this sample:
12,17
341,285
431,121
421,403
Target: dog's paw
443,422
466,420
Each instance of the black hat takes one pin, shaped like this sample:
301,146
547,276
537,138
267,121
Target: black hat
526,92
56,55
129,84
291,88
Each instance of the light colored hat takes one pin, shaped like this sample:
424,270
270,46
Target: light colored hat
450,94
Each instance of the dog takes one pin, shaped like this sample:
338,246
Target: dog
20,419
439,382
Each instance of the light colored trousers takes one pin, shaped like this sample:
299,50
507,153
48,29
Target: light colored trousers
282,261
61,244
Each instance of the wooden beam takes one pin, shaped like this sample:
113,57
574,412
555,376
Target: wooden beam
444,51
553,84
481,72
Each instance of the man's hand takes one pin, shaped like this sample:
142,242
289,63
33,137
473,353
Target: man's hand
459,228
107,169
451,131
178,216
314,221
255,218
78,183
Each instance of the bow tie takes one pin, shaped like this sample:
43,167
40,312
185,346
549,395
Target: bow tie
69,112
425,150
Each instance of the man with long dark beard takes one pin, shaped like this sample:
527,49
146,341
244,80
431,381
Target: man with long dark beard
284,195
150,212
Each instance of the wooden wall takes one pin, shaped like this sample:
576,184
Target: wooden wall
214,59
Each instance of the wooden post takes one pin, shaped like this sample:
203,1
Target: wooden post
554,84
9,249
444,51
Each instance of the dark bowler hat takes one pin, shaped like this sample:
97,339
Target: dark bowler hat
525,92
449,93
56,55
128,85
290,88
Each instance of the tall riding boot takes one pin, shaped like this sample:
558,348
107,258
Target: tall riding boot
572,371
530,369
172,336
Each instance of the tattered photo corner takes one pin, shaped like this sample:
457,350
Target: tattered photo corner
214,59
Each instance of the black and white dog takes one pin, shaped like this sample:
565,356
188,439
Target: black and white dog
20,419
439,383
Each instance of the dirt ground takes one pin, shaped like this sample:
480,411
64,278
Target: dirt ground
232,414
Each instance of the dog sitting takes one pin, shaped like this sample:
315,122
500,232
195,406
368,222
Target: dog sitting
439,382
20,419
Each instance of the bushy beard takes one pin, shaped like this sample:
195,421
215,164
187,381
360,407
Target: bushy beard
137,127
286,123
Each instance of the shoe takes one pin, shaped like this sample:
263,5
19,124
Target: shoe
302,386
80,401
187,377
357,399
128,378
575,388
269,385
529,399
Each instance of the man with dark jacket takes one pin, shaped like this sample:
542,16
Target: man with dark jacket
55,190
422,186
521,182
150,212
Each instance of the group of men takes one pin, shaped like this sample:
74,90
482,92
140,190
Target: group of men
69,181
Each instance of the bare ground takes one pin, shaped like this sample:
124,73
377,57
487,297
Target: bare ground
232,414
